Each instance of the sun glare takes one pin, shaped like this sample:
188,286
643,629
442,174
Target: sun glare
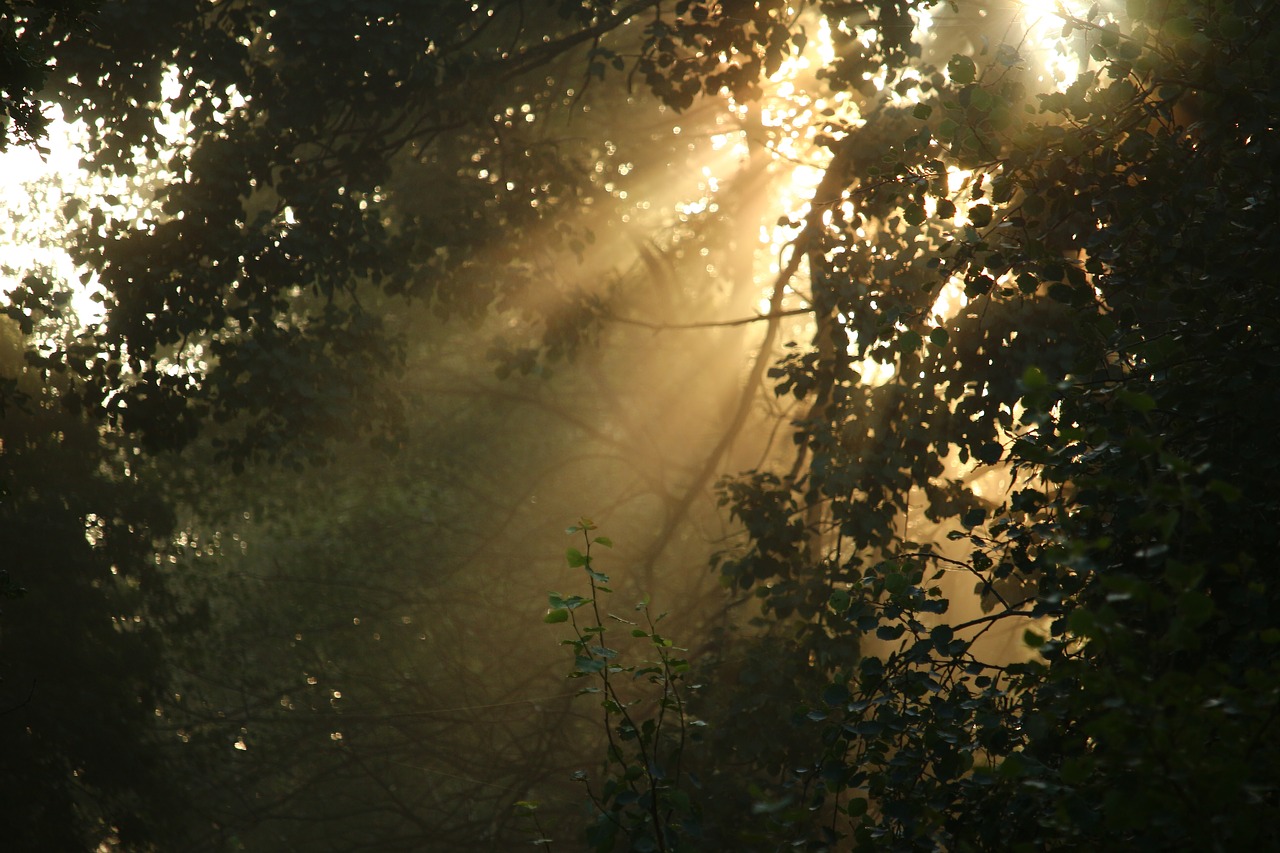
786,123
792,117
48,194
33,187
1050,49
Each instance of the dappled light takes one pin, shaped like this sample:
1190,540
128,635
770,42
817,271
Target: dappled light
655,425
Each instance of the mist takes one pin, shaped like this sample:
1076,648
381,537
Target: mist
652,425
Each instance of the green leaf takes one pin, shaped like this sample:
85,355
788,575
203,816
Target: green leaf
980,215
1063,293
1180,27
679,800
914,214
961,70
942,637
839,600
989,452
1033,379
1008,56
1231,26
939,337
572,602
1136,400
588,666
575,557
835,695
1195,607
1013,766
1078,769
1082,622
554,616
922,111
1224,490
890,632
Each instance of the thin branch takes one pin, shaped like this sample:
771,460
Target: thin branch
708,324
544,53
992,617
764,355
30,692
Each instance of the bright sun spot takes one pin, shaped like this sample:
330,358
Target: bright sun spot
45,193
786,122
32,187
1056,60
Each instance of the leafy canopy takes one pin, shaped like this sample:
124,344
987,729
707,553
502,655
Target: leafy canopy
1063,294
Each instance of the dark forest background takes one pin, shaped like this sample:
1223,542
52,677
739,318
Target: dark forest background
914,366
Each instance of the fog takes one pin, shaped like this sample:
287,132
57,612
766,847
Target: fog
364,660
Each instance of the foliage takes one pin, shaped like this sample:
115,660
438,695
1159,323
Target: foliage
1029,382
30,35
641,798
264,306
1112,246
353,652
80,679
320,185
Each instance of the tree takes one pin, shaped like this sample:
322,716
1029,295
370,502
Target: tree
1105,305
291,381
323,356
1012,331
275,220
80,674
32,33
1076,430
